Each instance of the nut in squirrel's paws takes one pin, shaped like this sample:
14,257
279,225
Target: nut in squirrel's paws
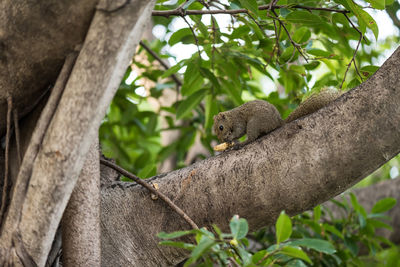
223,146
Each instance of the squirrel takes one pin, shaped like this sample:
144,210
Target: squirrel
259,117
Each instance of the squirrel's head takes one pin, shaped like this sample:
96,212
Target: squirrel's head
223,127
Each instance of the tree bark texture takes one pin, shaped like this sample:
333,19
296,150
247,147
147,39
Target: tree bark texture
110,43
81,219
294,168
35,37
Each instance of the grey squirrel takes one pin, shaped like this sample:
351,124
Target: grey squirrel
259,117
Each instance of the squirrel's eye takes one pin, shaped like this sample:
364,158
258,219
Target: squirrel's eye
221,128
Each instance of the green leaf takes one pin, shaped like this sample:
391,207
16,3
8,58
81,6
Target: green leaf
173,235
177,244
301,35
205,244
384,205
333,230
378,4
250,5
351,244
321,53
148,171
233,91
190,103
295,253
192,79
304,17
258,256
369,21
239,227
284,12
379,224
211,110
172,70
283,228
211,77
317,213
177,36
364,19
367,71
315,244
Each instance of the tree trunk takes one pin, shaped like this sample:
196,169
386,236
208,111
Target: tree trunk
109,45
81,219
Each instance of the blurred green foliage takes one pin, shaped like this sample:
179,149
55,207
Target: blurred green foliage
277,56
309,239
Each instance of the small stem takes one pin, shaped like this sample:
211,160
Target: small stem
152,190
295,45
151,52
194,35
353,59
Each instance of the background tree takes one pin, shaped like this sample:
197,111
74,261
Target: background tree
298,48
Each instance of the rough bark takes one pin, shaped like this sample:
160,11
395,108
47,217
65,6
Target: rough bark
108,47
294,168
81,219
35,37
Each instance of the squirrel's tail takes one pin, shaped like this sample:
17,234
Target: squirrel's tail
314,102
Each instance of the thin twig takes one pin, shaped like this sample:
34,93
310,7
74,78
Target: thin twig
353,59
272,4
8,135
214,40
151,189
295,45
151,52
194,35
17,136
178,11
258,25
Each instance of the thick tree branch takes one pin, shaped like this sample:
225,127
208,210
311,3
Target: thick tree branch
294,168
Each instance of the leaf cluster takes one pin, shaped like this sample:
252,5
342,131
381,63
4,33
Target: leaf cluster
306,239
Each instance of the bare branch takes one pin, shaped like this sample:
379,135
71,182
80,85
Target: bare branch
179,11
295,45
194,35
353,59
166,67
152,190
